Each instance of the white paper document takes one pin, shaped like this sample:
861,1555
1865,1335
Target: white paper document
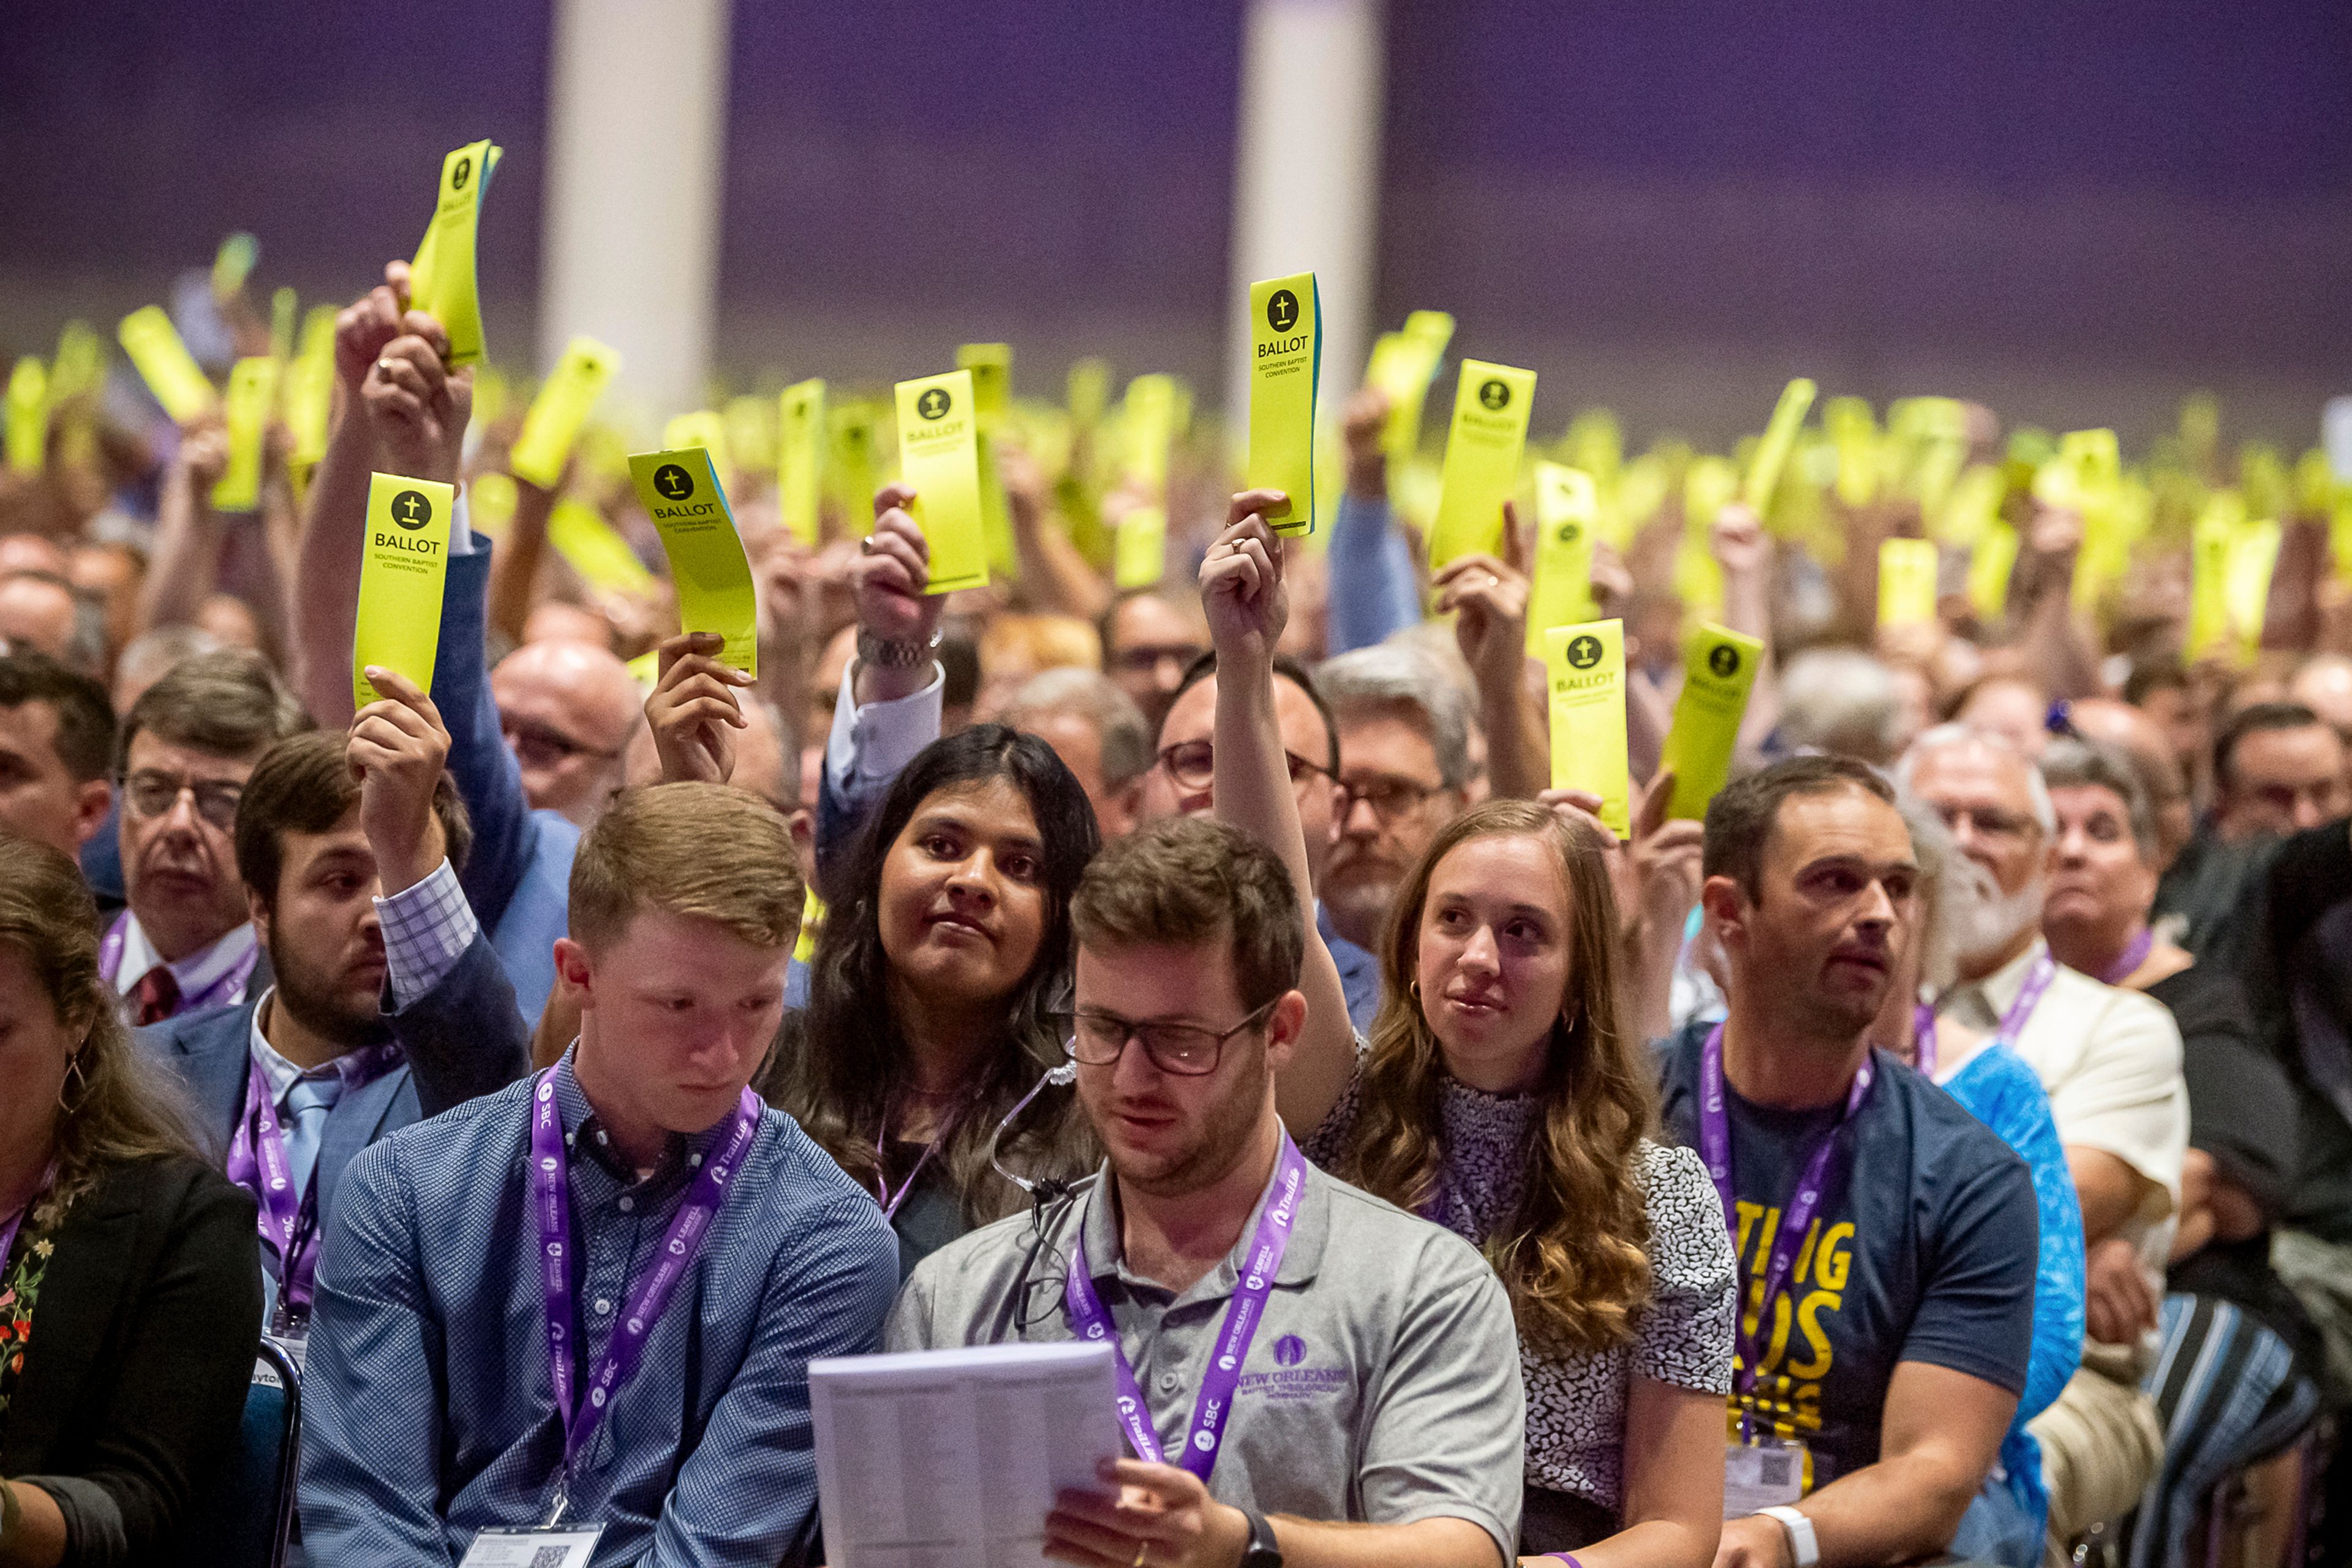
951,1458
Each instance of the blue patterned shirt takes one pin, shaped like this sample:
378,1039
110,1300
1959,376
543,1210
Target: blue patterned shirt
428,1410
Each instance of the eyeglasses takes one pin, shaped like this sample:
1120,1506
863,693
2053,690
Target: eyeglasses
537,746
152,792
1193,765
1992,824
1393,800
1097,1039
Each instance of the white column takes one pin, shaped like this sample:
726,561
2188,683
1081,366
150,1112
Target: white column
1307,180
636,119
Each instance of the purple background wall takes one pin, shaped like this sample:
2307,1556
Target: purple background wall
1669,206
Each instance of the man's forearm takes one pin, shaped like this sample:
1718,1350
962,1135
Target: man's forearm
1517,768
1896,1511
326,609
1423,1543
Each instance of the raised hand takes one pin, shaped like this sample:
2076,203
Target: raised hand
1367,421
396,749
416,407
364,328
1738,541
1489,599
693,709
1241,584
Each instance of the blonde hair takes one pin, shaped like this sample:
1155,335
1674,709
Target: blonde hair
1575,1258
115,1106
700,849
1033,643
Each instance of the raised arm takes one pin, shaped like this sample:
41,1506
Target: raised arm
188,532
693,711
514,569
1373,590
1055,575
1488,599
1242,591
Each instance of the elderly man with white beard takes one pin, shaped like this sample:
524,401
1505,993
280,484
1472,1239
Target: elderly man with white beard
2110,1060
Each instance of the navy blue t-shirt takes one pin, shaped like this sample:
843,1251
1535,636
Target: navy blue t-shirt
1922,1250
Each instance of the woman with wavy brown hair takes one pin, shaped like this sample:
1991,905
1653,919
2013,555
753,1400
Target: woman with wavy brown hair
1502,1096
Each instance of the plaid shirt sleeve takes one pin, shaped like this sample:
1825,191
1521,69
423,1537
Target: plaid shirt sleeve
426,930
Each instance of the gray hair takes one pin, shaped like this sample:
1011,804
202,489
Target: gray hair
2069,763
1391,677
1840,700
1946,735
1941,890
1093,696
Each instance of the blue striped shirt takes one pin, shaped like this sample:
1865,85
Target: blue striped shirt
428,1410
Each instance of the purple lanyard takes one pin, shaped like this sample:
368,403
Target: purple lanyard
1234,1336
2013,1023
225,989
257,1163
1796,1218
881,1184
2134,956
552,1204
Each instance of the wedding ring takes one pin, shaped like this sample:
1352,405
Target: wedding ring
1142,1553
866,545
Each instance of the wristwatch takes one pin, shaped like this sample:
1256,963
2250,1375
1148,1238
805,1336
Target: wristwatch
1261,1552
888,655
1804,1545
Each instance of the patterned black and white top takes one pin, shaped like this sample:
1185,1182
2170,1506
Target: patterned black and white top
1576,1403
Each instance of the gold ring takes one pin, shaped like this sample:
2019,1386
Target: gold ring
1142,1552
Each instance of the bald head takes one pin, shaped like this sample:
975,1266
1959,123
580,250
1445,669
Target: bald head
2324,685
37,611
2143,740
568,708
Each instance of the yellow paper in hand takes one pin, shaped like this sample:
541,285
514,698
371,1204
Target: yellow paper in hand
938,455
1285,365
1719,667
404,565
2212,542
1139,554
1403,365
852,426
800,458
1853,430
491,502
680,491
565,399
28,416
1906,581
1587,670
1708,486
308,389
591,547
751,434
441,280
1482,459
164,364
1148,421
701,427
1566,513
1988,569
1779,439
2253,556
1088,391
252,389
991,366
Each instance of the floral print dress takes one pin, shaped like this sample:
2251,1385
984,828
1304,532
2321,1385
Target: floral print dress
20,1286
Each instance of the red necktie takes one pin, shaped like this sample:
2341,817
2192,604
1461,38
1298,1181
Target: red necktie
158,994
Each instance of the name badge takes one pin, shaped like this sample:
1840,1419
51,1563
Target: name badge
569,1546
1757,1476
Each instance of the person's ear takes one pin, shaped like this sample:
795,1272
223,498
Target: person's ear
1282,1028
1725,904
801,823
575,971
257,910
92,801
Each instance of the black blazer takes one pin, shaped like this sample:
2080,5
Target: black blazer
143,1347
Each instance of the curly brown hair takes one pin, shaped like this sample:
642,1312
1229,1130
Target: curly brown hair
1575,1257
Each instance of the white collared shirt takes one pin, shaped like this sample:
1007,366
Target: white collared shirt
281,1076
194,973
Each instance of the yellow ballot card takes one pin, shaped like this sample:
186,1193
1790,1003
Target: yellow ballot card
852,424
1854,431
1989,570
703,427
2212,542
589,546
284,305
2253,556
1286,364
1482,459
28,416
1087,391
938,455
800,458
751,433
308,389
1906,581
1772,451
491,502
991,366
680,491
565,399
1147,424
164,364
441,280
1587,672
1403,365
405,561
1719,668
1565,512
252,390
1140,553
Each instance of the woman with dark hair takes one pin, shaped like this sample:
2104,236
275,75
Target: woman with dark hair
129,1269
933,988
1503,1096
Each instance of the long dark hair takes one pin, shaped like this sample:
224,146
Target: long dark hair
1574,1258
841,1063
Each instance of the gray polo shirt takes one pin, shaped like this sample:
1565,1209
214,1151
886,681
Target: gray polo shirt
1382,1385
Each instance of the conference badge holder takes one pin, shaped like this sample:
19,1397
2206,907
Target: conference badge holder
1766,1473
549,1546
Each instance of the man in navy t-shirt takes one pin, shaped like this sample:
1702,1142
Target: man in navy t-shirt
1889,1239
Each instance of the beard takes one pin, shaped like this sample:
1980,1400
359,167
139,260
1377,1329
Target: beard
1358,886
1980,921
324,1011
1223,1131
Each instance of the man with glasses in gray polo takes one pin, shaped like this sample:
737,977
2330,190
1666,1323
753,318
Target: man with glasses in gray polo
1297,1360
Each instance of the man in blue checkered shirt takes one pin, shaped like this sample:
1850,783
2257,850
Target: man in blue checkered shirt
432,1410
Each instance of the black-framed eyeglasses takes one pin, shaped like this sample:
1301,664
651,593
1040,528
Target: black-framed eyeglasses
1194,764
1393,800
153,793
537,746
1096,1040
